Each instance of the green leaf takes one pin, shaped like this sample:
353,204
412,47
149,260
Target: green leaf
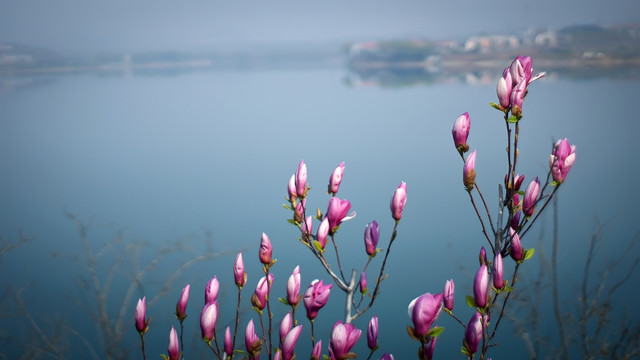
528,253
471,301
507,288
317,245
287,207
465,351
435,332
292,222
283,300
553,183
325,357
495,106
512,119
165,357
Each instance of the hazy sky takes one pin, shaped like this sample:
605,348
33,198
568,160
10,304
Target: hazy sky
91,26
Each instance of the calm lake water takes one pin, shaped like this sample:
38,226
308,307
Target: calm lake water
203,160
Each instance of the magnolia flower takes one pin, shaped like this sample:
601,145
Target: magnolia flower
208,318
343,338
316,297
285,326
469,171
141,315
447,295
460,132
174,345
473,333
371,237
252,341
561,160
498,281
301,179
266,249
240,276
423,311
228,342
316,353
260,295
531,197
481,286
181,306
323,232
293,287
336,179
211,290
372,332
516,248
289,343
505,85
398,201
337,211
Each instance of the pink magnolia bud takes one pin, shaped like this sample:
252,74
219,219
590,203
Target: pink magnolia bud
447,295
239,274
141,315
531,197
228,342
461,132
517,98
498,281
301,180
387,356
336,179
289,343
561,160
429,347
252,341
291,187
372,332
307,227
424,310
398,201
211,290
208,318
316,353
323,232
277,355
343,338
505,84
265,249
521,70
293,287
482,256
337,211
261,294
363,282
516,248
181,306
473,333
481,286
515,221
285,326
469,171
174,345
371,237
316,297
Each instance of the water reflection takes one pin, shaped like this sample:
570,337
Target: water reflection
162,159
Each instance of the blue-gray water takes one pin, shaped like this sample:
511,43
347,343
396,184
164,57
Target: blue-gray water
160,159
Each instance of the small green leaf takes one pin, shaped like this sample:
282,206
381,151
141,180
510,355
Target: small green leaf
435,332
287,207
283,300
317,245
165,357
553,183
495,106
465,351
292,222
507,288
365,291
528,253
471,301
512,119
325,357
